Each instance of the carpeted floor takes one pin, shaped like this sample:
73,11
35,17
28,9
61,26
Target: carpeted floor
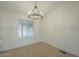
36,50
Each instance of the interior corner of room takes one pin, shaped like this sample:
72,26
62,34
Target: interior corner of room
59,26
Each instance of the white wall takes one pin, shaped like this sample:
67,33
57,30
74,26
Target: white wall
60,28
9,30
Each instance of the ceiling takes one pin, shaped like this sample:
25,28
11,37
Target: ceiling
25,6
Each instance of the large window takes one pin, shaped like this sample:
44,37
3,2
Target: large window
26,29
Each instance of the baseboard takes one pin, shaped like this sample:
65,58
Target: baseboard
61,49
19,46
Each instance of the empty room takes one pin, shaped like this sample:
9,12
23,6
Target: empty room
39,28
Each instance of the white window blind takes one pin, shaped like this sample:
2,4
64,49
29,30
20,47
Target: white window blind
26,29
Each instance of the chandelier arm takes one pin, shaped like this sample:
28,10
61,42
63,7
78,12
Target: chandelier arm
37,10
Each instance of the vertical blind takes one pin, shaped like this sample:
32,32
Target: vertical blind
26,29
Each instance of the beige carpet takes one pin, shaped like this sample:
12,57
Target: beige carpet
35,50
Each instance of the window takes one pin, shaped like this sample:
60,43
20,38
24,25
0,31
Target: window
26,29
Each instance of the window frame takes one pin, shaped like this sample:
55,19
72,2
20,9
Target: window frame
26,21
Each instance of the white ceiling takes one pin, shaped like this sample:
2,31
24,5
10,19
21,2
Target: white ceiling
25,6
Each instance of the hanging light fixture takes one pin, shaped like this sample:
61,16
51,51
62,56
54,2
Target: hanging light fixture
34,13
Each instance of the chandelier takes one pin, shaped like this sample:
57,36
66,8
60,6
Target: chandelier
34,13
